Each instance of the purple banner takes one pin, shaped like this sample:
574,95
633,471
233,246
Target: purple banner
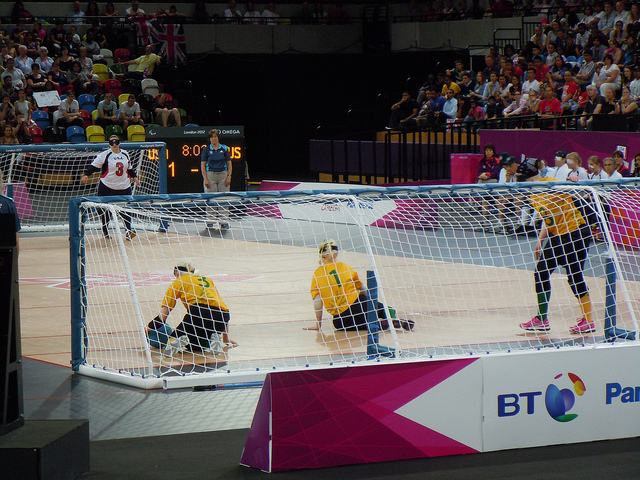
541,144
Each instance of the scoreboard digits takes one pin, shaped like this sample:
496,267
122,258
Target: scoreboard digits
184,148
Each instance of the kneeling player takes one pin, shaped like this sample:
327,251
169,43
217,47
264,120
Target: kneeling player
336,287
205,326
563,242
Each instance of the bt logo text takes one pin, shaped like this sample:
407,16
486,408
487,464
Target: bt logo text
626,394
509,404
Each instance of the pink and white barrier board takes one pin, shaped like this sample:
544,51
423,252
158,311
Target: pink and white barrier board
396,411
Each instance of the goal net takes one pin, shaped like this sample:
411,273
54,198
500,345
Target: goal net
454,270
43,178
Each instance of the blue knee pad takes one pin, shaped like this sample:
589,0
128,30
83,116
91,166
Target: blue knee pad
159,338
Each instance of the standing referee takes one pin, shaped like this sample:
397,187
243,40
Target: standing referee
116,174
215,164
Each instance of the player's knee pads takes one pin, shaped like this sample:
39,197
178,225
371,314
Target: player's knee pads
159,337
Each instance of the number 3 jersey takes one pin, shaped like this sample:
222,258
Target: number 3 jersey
115,169
191,290
337,284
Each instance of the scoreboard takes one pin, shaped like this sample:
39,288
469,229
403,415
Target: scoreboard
184,147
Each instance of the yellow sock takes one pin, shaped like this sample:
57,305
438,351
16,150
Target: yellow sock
585,304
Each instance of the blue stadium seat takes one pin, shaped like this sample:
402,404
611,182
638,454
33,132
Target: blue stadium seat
41,118
87,102
76,134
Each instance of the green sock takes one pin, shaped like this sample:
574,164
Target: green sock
543,305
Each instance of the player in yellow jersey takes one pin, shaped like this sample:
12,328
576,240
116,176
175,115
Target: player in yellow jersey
563,242
336,287
205,326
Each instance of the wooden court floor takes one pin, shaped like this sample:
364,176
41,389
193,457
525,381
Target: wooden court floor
45,305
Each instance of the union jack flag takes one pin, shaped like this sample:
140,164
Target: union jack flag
143,30
170,37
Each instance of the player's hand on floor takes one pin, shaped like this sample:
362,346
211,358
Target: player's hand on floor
231,344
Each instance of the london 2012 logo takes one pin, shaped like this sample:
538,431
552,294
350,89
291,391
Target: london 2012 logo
560,401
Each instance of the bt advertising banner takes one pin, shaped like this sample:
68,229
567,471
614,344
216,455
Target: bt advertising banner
555,397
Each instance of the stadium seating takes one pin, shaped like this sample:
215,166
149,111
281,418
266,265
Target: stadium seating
122,55
131,85
36,134
145,115
87,102
54,134
94,116
123,97
145,101
113,86
135,133
102,71
41,118
117,68
95,133
184,118
107,55
75,134
115,130
150,86
86,118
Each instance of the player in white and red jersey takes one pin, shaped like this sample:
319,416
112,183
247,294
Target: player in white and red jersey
116,175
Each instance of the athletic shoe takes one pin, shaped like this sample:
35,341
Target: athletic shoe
130,235
536,325
175,346
405,324
224,226
583,327
215,344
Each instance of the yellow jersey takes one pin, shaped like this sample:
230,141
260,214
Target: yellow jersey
337,284
191,290
558,212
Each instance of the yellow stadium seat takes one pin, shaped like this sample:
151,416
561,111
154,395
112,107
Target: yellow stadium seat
123,98
95,134
136,133
102,71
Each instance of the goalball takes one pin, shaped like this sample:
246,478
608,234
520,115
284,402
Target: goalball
448,258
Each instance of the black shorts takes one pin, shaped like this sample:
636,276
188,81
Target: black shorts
200,322
355,317
104,191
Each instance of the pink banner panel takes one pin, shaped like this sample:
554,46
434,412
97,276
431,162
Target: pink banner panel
342,416
464,168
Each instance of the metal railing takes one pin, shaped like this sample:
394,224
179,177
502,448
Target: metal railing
422,154
414,154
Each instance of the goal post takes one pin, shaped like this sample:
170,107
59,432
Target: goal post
453,267
43,178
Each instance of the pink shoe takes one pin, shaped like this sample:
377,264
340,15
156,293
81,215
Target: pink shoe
536,325
583,327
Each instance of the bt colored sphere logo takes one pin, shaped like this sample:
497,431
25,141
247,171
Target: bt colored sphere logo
559,402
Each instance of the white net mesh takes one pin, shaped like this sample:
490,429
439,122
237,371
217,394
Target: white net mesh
458,263
43,181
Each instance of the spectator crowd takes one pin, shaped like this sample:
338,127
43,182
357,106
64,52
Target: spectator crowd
53,76
582,63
